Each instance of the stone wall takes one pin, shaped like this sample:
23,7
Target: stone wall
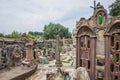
7,46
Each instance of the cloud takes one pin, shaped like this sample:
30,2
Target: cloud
27,15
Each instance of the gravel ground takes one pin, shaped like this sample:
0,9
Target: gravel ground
40,74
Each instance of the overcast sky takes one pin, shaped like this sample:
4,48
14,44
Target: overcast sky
32,15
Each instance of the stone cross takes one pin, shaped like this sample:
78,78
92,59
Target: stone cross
58,63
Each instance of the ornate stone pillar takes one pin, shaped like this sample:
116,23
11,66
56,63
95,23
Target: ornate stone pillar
92,57
29,52
107,54
78,52
58,62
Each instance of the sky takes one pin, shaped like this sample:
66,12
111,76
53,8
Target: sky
32,15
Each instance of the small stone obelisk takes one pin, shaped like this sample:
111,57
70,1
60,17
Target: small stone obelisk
58,62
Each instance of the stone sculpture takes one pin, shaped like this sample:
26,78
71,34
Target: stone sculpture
82,74
17,54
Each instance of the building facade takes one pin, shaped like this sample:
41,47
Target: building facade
98,45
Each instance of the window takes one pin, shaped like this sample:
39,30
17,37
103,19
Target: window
112,40
116,77
82,44
116,57
88,64
112,67
88,44
100,19
117,46
81,62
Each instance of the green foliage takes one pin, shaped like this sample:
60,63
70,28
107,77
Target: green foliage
51,30
1,35
45,47
31,36
115,8
14,34
35,33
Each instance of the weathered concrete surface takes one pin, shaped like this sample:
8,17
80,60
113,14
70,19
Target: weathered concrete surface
18,73
44,69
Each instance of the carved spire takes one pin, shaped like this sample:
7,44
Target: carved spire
99,5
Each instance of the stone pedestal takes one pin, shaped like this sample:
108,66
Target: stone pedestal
29,52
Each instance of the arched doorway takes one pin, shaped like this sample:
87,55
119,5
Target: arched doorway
112,52
85,50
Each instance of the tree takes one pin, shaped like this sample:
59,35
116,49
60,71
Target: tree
51,30
115,8
35,33
1,35
32,36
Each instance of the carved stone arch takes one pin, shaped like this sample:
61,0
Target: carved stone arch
114,28
100,15
112,52
85,50
85,30
100,10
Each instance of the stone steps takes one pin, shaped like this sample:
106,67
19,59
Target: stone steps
18,73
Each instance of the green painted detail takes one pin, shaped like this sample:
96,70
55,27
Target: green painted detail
116,57
112,67
82,44
99,19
